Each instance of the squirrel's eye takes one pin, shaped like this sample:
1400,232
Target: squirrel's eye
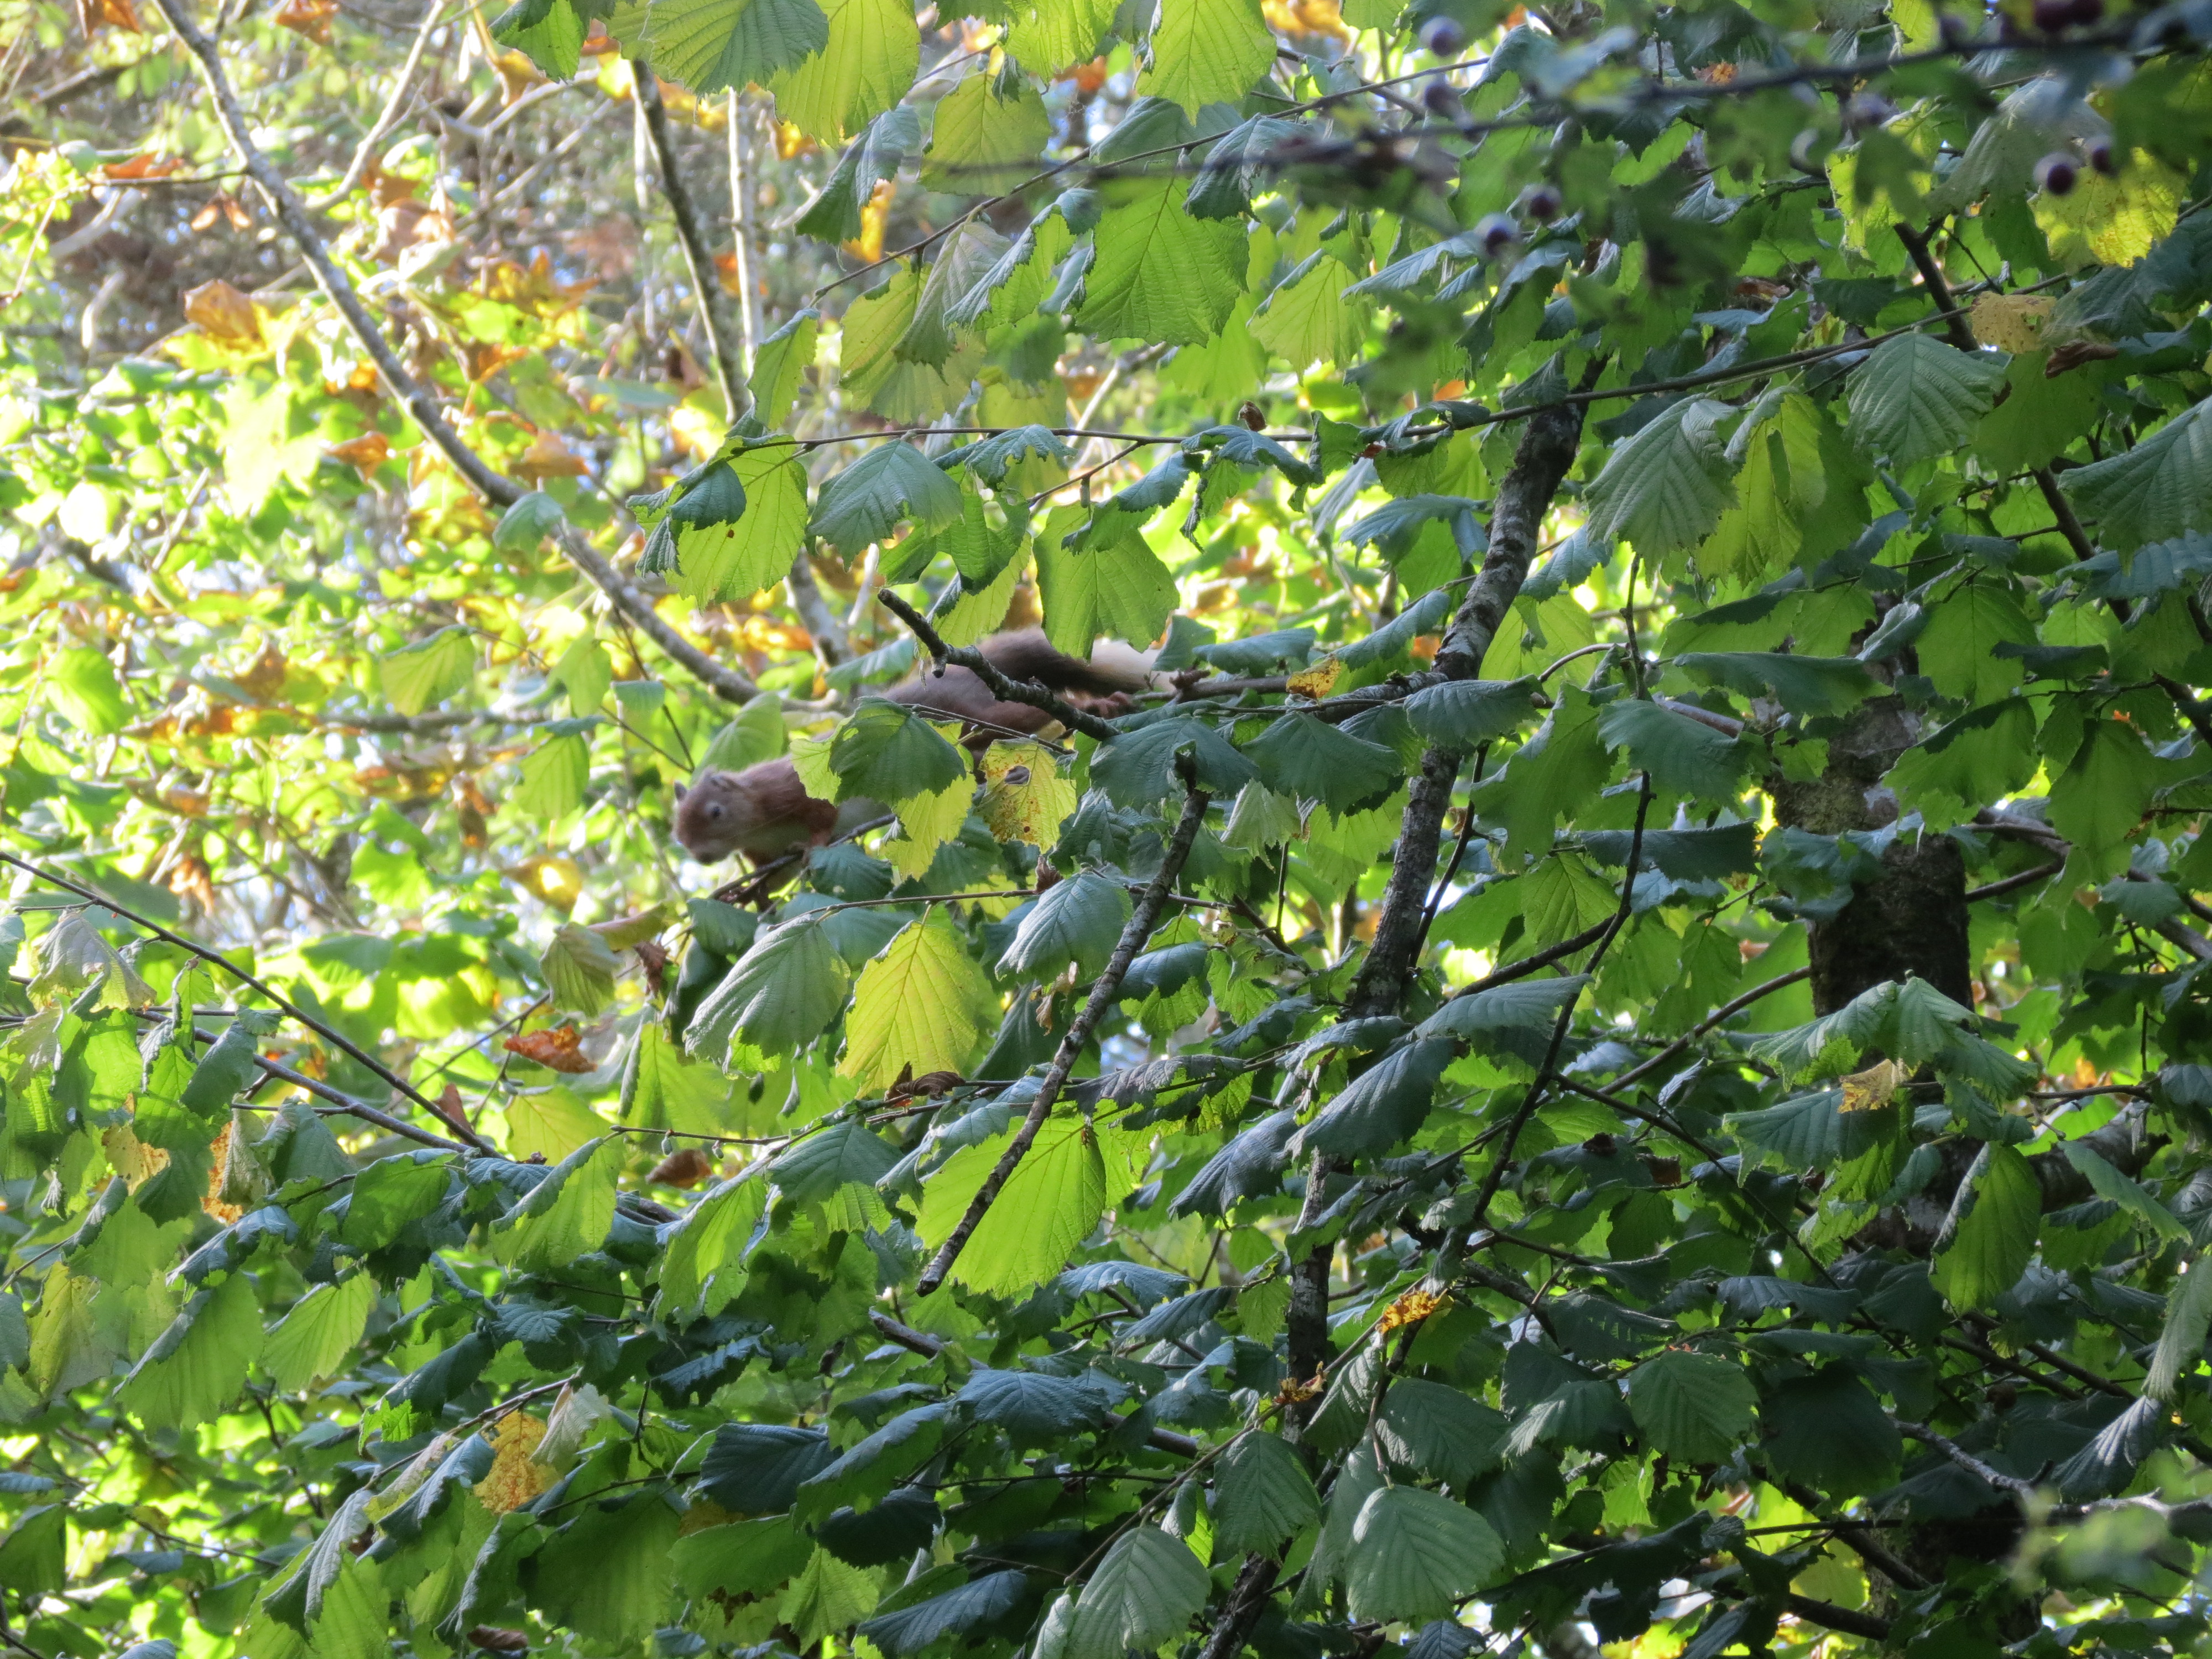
714,808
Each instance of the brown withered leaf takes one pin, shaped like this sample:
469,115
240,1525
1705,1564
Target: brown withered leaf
2075,353
653,956
1319,680
152,165
222,313
222,205
557,1048
686,1167
263,678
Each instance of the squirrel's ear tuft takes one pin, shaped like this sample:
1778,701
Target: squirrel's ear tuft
679,792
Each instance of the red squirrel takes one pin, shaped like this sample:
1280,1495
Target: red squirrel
764,811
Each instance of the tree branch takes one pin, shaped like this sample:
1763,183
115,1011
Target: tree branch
421,405
336,1038
722,333
920,1342
1102,992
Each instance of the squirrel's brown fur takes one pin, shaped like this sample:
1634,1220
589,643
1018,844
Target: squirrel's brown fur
764,811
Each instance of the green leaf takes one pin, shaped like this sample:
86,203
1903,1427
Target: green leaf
1207,51
711,45
988,137
428,671
553,776
1958,648
735,558
580,968
1917,396
702,1267
1262,1496
1383,1105
313,1339
1047,1206
2098,800
1302,757
1550,776
1694,1408
834,215
780,369
1145,1590
1137,768
2040,416
828,1596
893,481
1684,756
2180,1347
1440,1431
779,997
1991,1235
888,752
863,68
744,1558
2131,1196
824,1168
390,1194
2159,489
528,522
1415,1553
35,1555
1121,589
197,1365
758,1467
1664,490
1465,713
1983,755
606,1577
1077,921
1803,685
980,1602
568,1211
1161,275
1828,1431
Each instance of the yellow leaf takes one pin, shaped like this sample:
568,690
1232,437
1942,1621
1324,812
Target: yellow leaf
1318,680
516,1478
1864,1091
1025,797
921,1005
926,823
2011,322
2111,220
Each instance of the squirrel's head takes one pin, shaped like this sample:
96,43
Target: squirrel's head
714,815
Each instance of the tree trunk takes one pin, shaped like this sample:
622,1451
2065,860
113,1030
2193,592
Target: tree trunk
1911,918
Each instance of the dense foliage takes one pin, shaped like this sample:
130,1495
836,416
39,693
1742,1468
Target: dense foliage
1615,1052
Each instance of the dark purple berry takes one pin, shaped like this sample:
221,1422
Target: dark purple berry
1443,37
1862,110
1542,203
2056,175
1956,30
2099,151
1495,235
1441,100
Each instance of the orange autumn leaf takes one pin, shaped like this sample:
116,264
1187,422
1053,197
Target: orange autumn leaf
363,454
309,18
1410,1309
869,244
222,314
151,166
93,16
549,458
557,1048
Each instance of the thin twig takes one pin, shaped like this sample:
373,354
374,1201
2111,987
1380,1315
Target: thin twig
1103,993
1004,690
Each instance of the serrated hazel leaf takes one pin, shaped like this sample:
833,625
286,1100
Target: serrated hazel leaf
1262,1495
1147,1588
1664,490
1695,1408
1917,397
1414,1554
